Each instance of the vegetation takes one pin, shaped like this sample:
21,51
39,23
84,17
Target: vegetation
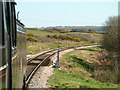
64,37
30,37
105,71
91,31
110,38
86,68
63,79
98,48
38,41
91,37
77,71
77,28
83,30
110,43
63,30
36,47
33,28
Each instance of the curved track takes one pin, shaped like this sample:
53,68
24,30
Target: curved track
43,59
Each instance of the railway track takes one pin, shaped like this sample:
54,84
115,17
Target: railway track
43,59
36,61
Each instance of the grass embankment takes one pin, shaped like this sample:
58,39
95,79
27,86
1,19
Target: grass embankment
39,41
77,69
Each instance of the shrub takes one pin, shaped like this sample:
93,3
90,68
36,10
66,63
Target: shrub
110,38
64,37
88,42
30,37
92,31
83,30
65,31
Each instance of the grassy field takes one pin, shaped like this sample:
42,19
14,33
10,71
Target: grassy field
93,37
33,48
77,70
45,43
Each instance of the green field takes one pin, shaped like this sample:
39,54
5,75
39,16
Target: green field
44,43
77,71
93,37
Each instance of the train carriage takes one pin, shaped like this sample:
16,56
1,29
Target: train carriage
12,47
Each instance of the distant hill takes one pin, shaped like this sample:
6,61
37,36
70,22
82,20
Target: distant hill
78,28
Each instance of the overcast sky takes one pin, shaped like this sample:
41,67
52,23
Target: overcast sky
69,13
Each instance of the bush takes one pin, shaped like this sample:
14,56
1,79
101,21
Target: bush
110,38
83,30
31,38
64,37
110,43
92,31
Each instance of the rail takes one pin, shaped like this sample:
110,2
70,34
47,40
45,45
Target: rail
46,58
33,72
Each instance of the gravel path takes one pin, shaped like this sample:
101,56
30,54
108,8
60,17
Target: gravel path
40,78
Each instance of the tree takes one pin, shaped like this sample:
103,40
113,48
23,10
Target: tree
110,43
83,30
74,30
110,38
90,30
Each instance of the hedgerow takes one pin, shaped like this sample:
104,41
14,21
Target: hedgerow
64,37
